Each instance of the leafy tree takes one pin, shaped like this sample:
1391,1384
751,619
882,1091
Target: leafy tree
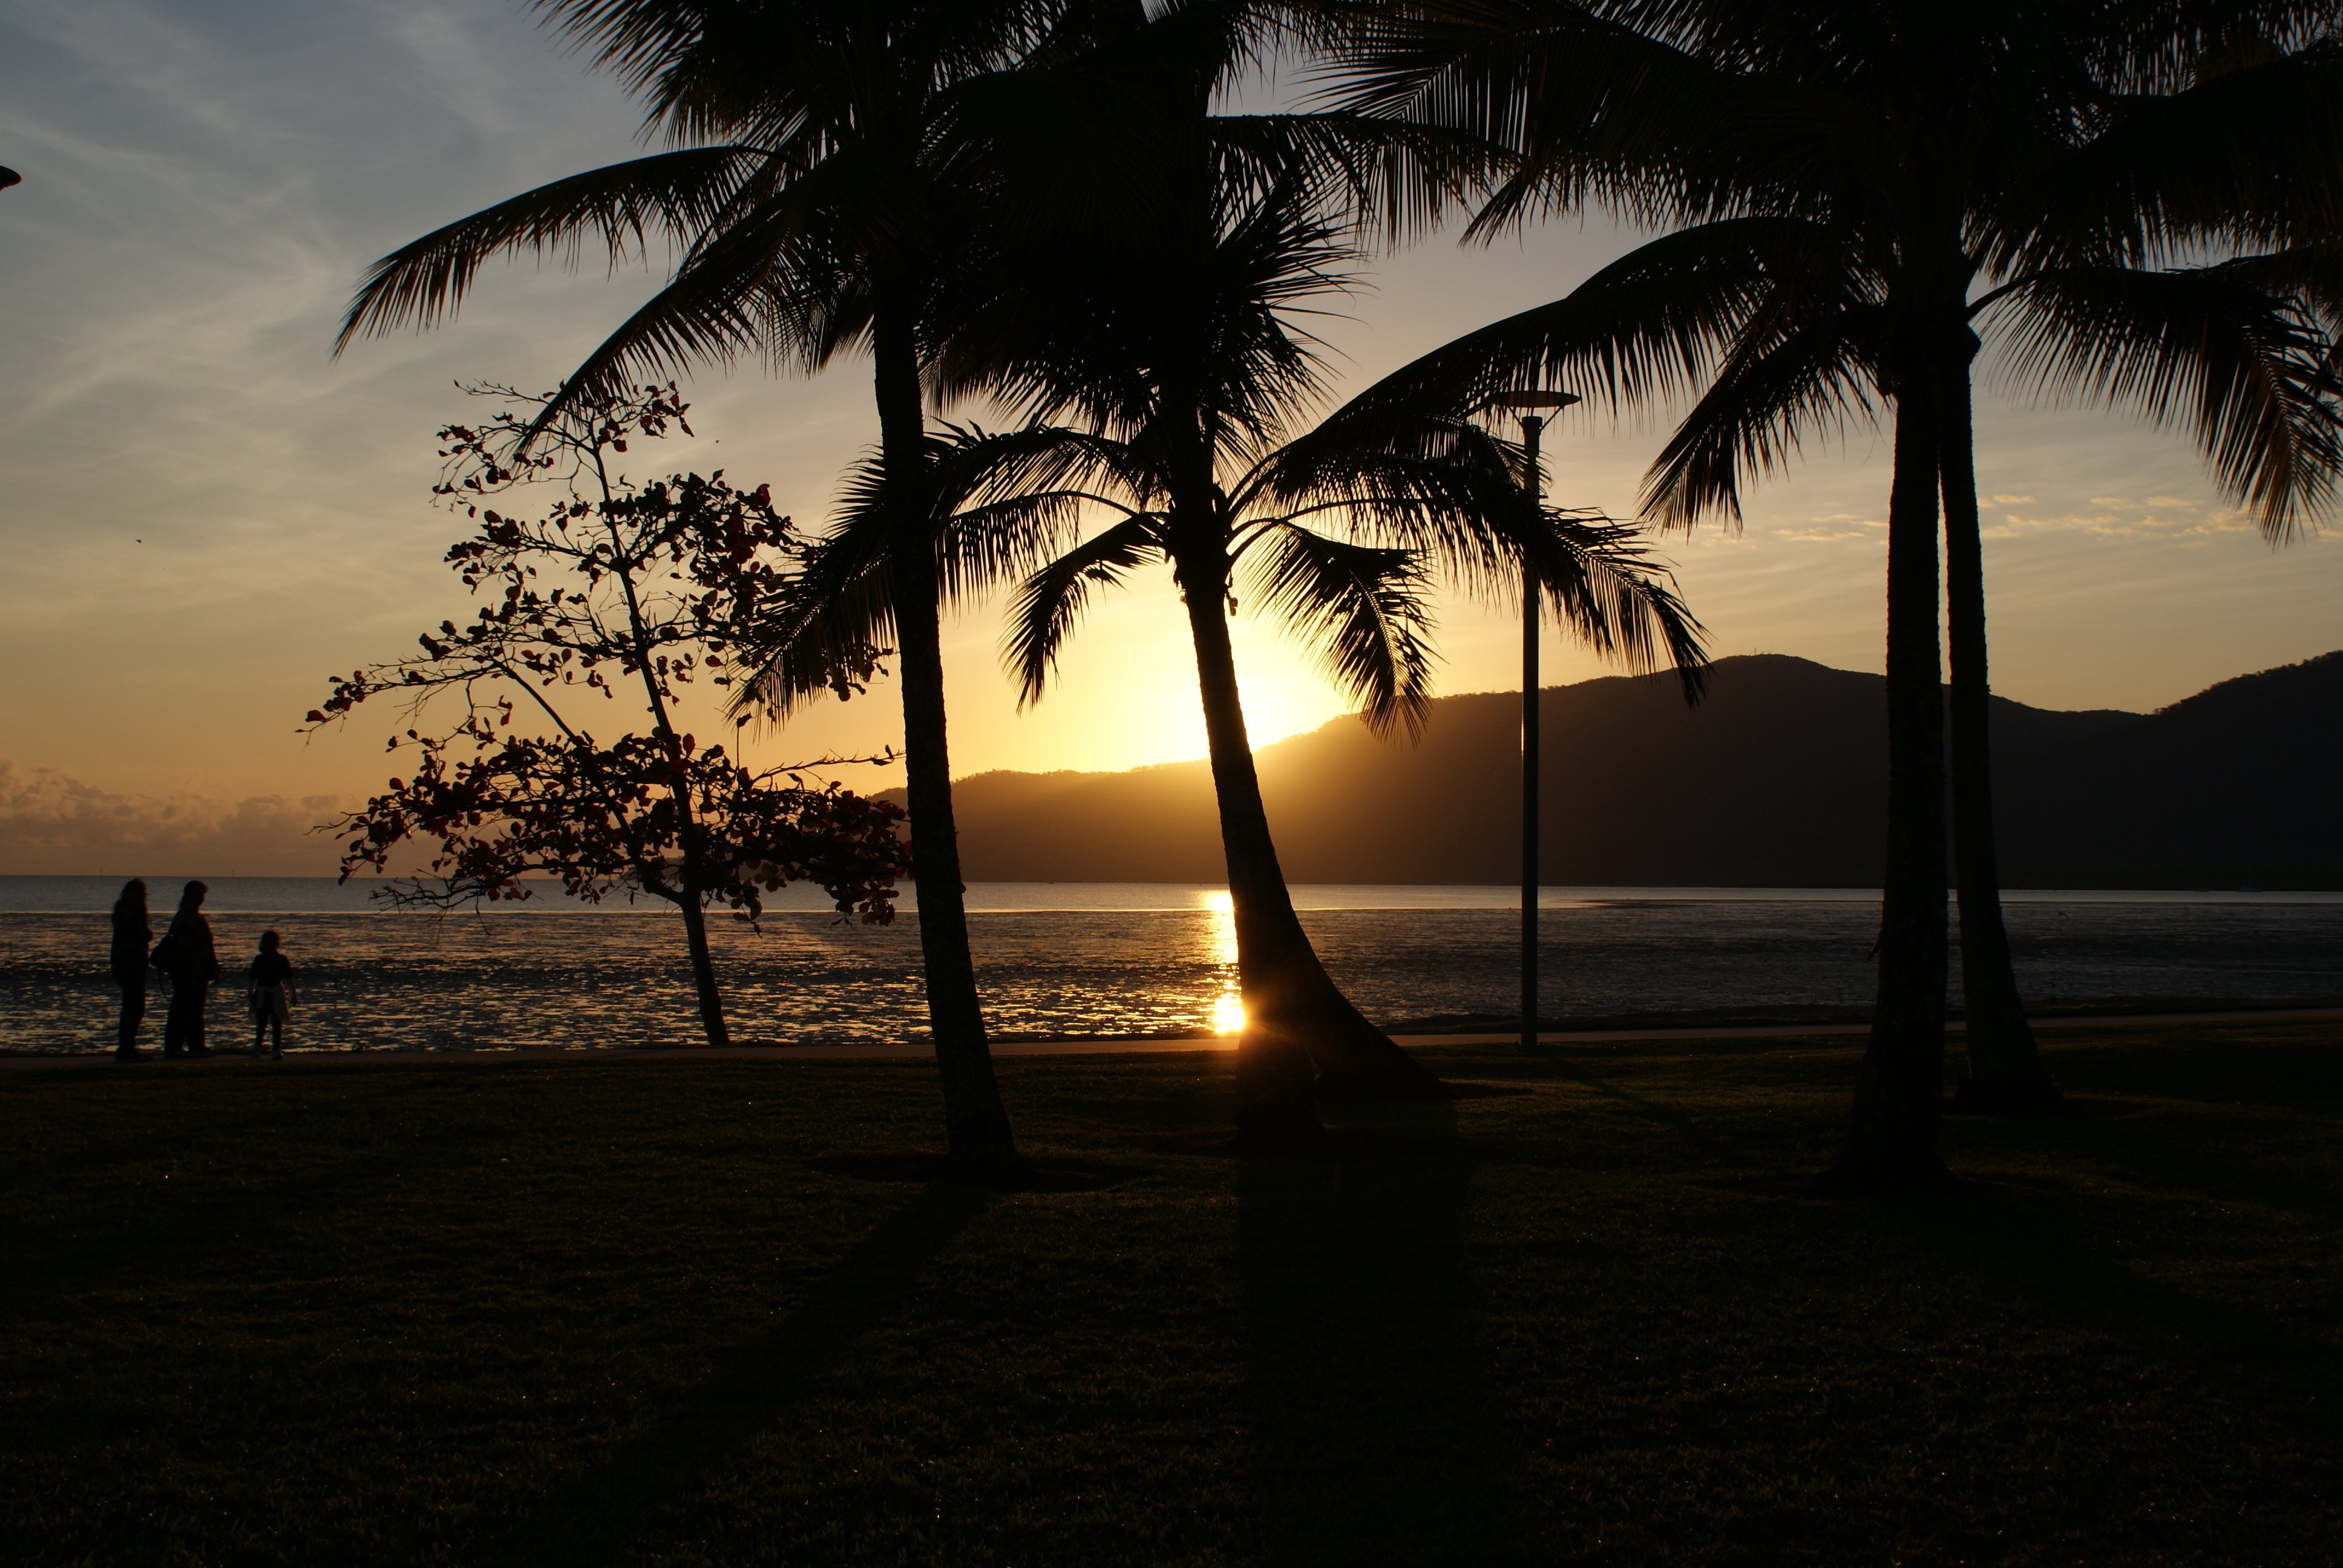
828,175
2138,198
608,587
1165,326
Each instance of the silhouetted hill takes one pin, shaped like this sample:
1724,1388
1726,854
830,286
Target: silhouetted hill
1775,780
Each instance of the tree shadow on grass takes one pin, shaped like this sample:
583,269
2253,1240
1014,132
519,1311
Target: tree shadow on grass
1031,1176
2063,1270
1573,1072
2033,1239
1374,1439
2161,1157
601,1515
1336,1145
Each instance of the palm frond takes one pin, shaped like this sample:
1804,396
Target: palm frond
2244,158
2249,373
675,194
741,293
1648,327
1003,503
2310,277
1624,108
1049,603
1365,611
1400,178
812,67
1775,391
841,603
1434,491
1607,590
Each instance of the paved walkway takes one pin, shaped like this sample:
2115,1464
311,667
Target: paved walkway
1136,1047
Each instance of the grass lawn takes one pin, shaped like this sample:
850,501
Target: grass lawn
688,1313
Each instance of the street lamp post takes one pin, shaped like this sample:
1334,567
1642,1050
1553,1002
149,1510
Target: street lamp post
1533,409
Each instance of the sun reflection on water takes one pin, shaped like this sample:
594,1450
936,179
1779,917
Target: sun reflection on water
1228,1007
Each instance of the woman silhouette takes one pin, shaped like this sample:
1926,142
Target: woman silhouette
132,935
185,955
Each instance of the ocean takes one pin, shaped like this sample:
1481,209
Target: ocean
1110,960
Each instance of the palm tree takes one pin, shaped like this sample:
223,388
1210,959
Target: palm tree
1862,190
826,178
1014,506
1166,331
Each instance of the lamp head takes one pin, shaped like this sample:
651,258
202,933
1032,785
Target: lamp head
1533,402
9,177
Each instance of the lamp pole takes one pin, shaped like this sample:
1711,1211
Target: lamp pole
1535,409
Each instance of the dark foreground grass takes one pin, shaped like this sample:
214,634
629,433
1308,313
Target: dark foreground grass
714,1312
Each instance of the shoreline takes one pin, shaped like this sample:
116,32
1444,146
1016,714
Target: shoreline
1135,1045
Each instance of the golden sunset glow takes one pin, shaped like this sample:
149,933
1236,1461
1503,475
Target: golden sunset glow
172,739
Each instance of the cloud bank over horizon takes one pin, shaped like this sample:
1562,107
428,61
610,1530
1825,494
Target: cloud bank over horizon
54,824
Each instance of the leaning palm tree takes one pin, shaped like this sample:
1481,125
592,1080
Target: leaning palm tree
2138,198
827,175
1337,535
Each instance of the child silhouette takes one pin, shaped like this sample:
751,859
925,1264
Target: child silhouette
272,995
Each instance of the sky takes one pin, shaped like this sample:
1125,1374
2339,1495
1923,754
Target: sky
203,513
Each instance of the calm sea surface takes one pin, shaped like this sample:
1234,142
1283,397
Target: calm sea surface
1060,960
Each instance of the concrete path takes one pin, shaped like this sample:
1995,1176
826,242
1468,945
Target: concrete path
345,1059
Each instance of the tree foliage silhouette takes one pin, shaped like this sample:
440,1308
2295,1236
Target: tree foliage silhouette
607,586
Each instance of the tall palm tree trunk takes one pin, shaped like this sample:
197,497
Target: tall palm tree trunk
976,1122
1899,1099
1295,1017
2005,1070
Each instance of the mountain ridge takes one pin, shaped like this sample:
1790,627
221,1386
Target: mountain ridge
1777,779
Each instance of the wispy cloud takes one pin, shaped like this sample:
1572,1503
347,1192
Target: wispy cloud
1830,528
2177,518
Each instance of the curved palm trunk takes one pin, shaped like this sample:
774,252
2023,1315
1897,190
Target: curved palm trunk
976,1122
1295,1017
1899,1099
2005,1070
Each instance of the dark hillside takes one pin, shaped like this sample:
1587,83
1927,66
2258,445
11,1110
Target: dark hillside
2232,788
1775,780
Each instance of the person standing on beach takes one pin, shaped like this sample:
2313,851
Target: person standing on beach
127,961
270,984
186,954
